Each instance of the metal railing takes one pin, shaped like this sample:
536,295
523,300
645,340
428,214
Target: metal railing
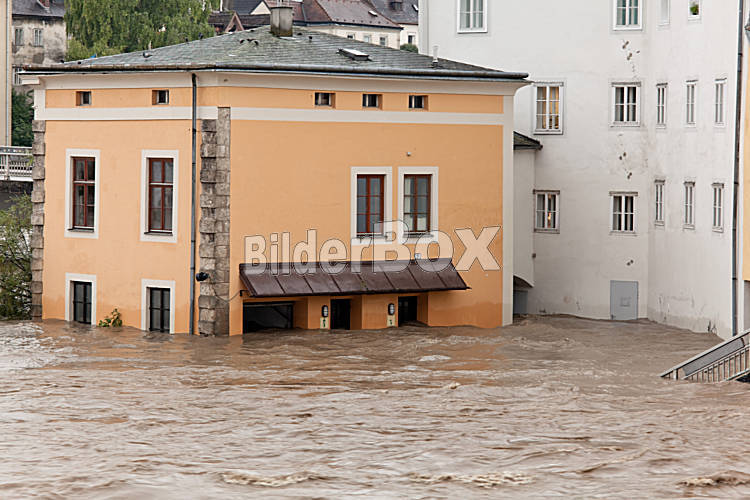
15,163
729,360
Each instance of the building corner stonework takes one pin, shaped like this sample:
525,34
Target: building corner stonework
37,217
213,300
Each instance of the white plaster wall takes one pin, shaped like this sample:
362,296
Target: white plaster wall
684,276
523,214
409,29
393,34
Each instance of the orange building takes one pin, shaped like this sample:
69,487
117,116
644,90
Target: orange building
272,140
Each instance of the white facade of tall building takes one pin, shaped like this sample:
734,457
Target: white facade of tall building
636,173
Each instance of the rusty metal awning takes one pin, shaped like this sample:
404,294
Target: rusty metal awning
347,278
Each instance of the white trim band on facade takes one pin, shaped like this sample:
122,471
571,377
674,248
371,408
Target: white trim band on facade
271,114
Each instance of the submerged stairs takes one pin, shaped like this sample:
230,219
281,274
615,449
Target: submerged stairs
727,361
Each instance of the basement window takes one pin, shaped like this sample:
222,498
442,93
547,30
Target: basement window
417,102
371,100
83,98
159,97
324,99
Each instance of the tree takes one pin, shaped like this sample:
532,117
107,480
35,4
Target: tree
105,27
15,260
22,116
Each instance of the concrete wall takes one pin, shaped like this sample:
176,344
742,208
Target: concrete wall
684,275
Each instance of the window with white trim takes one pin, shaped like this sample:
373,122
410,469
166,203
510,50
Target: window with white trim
627,14
367,38
661,104
471,15
719,99
626,101
547,211
623,212
664,12
418,202
689,212
38,37
384,41
548,108
694,9
159,195
371,204
659,202
17,75
718,207
690,92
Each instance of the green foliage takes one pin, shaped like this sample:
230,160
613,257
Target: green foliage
695,9
23,114
114,319
409,47
105,27
15,260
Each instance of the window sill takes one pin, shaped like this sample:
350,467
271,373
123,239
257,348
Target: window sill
548,132
717,229
547,231
166,234
625,124
638,27
690,227
81,229
468,31
659,223
623,233
370,240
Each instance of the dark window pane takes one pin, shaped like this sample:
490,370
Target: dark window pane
361,185
90,195
167,219
168,171
80,169
155,197
168,197
155,218
156,171
361,223
375,185
89,216
91,170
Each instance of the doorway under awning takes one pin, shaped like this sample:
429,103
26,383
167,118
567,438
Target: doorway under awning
347,278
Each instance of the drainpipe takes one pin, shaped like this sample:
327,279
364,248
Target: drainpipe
192,211
736,175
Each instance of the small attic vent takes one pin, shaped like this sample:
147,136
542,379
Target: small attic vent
373,13
354,54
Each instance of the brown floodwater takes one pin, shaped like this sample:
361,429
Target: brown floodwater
553,407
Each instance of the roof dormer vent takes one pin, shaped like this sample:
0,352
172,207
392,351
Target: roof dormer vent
355,54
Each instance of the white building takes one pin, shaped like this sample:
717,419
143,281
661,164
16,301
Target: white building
634,103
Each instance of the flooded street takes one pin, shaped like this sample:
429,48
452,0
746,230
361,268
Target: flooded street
549,407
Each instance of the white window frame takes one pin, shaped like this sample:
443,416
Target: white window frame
472,29
613,107
662,93
659,190
382,38
717,207
691,16
547,194
38,37
688,206
623,195
367,38
17,75
628,6
86,278
560,96
69,232
357,240
149,283
720,100
430,236
175,156
691,91
664,12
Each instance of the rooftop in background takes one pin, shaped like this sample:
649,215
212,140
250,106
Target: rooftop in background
35,8
259,51
399,11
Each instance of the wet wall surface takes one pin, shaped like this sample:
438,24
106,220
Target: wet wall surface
554,407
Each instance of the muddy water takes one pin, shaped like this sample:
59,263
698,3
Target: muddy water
550,407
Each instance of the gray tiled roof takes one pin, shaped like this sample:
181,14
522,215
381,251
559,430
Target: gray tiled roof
32,8
407,14
259,50
521,142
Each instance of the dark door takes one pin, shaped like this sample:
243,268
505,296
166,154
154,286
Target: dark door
407,310
267,316
82,302
341,318
158,309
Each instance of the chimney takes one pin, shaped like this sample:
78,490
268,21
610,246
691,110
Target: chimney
281,20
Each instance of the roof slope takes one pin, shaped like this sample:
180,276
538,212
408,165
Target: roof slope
32,8
258,50
408,13
357,12
244,6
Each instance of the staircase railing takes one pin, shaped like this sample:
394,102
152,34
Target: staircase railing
729,360
15,163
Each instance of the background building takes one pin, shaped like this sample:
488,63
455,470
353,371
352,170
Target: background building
5,65
38,35
634,103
